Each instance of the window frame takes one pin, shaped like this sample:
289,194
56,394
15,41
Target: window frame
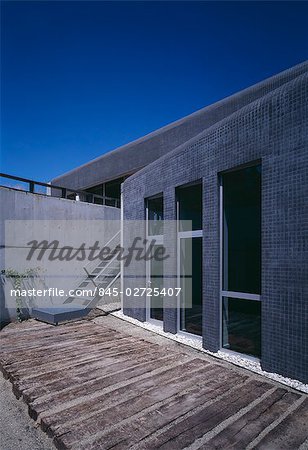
184,235
159,240
233,294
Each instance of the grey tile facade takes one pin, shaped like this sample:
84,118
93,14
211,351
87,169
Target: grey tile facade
135,155
271,129
266,123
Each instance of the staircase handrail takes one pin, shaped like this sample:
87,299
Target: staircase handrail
98,297
94,263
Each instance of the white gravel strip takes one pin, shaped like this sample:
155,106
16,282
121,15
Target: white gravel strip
238,360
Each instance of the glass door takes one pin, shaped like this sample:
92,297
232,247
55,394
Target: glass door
190,260
240,225
155,301
154,268
189,214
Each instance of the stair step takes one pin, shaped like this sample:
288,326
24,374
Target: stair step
83,284
109,274
108,268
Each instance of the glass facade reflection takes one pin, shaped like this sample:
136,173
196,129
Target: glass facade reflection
155,215
242,230
242,325
241,265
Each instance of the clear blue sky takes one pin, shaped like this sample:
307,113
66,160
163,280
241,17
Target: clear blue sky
81,78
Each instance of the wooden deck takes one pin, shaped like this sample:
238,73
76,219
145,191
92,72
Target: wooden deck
97,386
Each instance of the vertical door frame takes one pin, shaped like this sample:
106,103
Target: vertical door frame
222,253
184,235
159,240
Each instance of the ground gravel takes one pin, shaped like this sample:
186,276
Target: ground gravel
17,430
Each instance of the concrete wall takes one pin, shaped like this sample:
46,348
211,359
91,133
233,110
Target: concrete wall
272,129
137,154
51,218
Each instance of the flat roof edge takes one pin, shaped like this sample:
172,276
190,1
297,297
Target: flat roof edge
284,77
218,124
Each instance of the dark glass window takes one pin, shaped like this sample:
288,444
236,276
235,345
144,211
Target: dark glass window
191,284
156,278
241,325
96,190
113,191
242,230
190,206
155,206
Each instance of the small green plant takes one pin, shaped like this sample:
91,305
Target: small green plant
16,279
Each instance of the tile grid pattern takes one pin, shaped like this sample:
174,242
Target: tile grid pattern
272,129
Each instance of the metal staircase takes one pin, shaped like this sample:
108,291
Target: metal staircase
100,276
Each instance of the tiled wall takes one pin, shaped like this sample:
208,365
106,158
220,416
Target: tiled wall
272,129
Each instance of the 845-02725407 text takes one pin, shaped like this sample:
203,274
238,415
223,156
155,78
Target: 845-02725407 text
132,292
111,292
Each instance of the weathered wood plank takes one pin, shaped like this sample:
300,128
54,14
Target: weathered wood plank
290,433
43,384
49,372
244,430
95,387
17,328
70,382
128,392
48,341
69,435
186,430
23,334
62,351
40,405
68,362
